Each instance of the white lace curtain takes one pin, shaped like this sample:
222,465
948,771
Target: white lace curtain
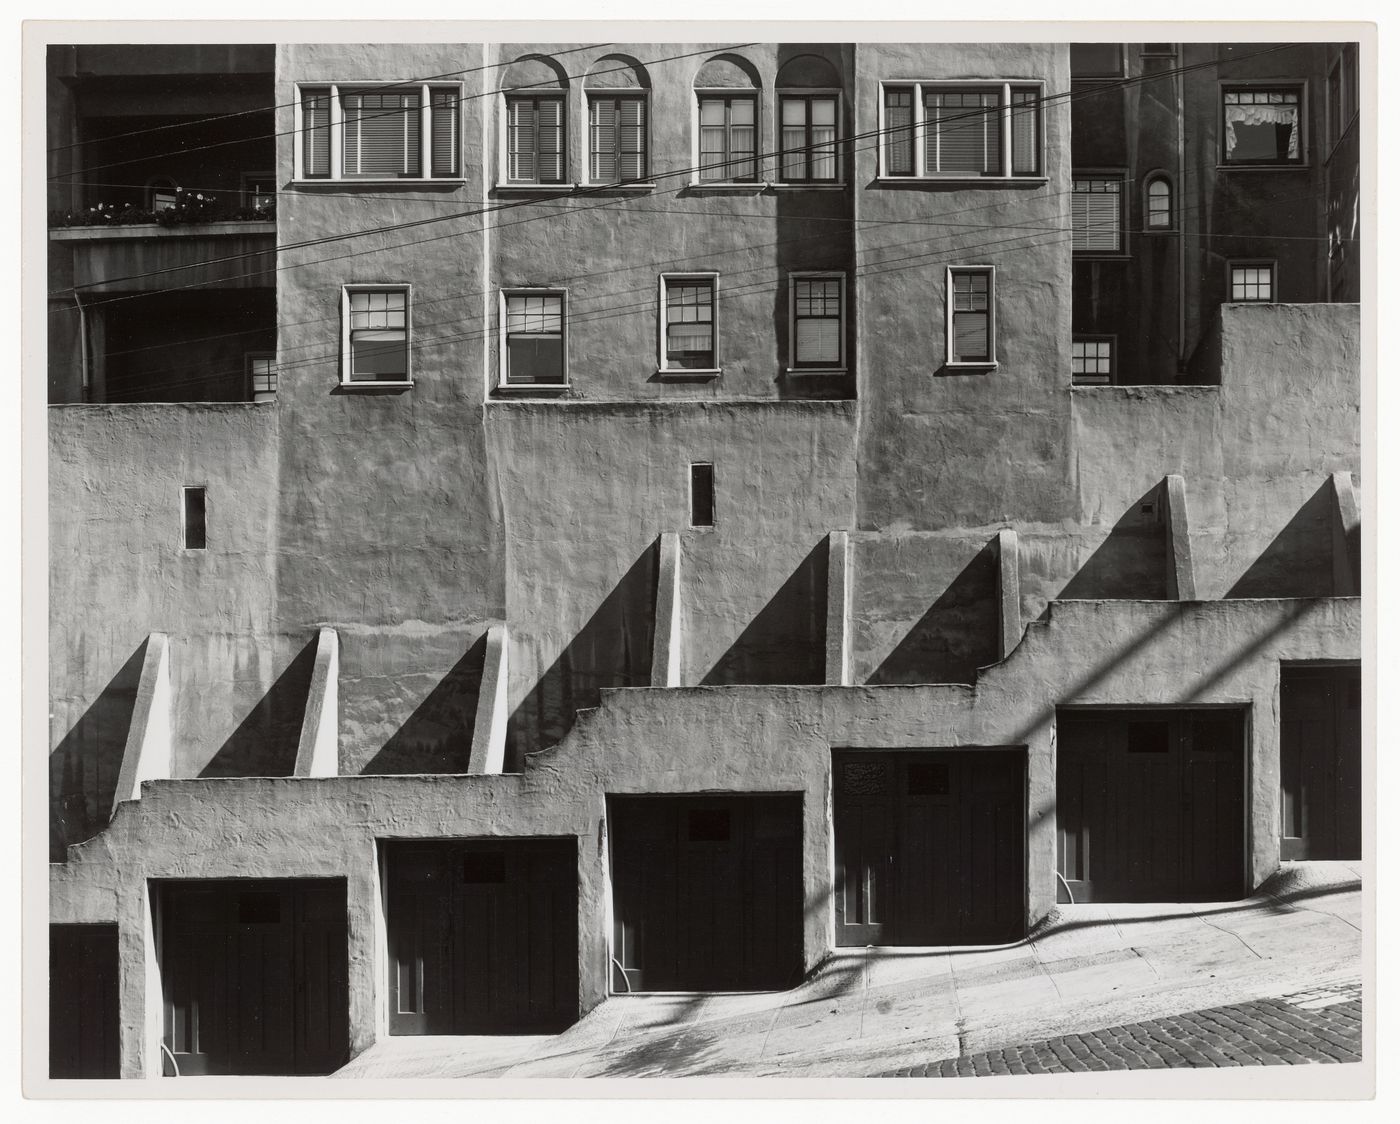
1262,115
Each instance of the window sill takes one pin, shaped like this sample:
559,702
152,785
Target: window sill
600,188
747,186
961,181
815,370
406,183
550,388
1081,255
970,367
822,185
1225,167
373,387
682,374
535,188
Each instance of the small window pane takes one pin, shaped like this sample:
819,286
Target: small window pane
1159,205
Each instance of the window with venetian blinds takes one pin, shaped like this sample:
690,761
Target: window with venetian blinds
380,133
535,139
935,130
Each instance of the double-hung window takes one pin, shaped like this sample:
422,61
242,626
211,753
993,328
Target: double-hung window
374,343
1091,360
1252,282
535,150
808,138
1262,125
817,307
1096,211
971,316
379,133
617,138
688,323
534,351
940,130
728,138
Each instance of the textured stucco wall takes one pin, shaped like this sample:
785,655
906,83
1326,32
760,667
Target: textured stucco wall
679,741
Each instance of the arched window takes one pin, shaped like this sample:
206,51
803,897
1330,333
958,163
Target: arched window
809,110
1159,204
535,108
618,151
726,91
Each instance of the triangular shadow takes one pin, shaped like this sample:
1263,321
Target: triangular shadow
613,649
1298,563
786,642
956,636
85,765
1131,564
437,736
265,743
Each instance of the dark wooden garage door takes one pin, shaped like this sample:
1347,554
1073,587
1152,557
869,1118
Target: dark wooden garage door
707,892
1320,767
83,1006
254,974
1150,805
930,847
483,936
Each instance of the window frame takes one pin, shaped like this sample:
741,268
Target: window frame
1169,226
1347,66
335,130
1120,176
920,175
566,181
729,93
690,496
662,370
1109,379
1281,85
991,362
347,383
186,491
637,93
794,367
1251,263
249,357
503,340
806,93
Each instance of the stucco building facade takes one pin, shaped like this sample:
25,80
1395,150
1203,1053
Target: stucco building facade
561,520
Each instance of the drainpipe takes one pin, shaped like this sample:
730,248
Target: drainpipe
83,346
1180,84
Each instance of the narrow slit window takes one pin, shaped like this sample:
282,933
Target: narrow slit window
702,495
194,518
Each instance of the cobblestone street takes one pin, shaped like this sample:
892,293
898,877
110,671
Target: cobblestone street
1322,1025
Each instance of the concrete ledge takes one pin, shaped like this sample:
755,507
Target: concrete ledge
1181,569
488,755
838,609
666,640
1346,536
147,753
1008,592
318,749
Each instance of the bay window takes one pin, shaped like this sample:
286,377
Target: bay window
400,132
954,130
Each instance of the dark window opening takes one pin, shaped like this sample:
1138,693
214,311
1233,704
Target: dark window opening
1095,60
261,908
484,867
194,519
708,825
1152,737
928,779
702,495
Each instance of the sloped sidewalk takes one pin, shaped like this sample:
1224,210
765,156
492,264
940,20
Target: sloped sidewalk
871,1011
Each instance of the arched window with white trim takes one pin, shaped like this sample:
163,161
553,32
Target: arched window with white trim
1157,205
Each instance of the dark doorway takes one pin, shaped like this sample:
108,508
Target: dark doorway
1320,765
255,976
707,892
930,847
83,1007
483,936
1150,805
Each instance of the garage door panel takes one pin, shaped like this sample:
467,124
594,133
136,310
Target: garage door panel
1151,805
950,831
1320,766
483,935
707,891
